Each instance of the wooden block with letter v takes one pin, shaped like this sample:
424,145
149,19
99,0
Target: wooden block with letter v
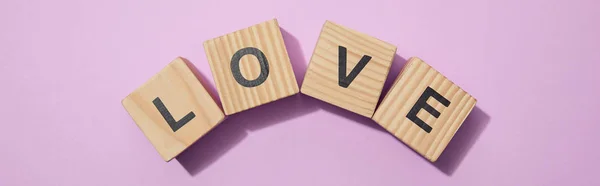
424,109
348,69
251,67
173,109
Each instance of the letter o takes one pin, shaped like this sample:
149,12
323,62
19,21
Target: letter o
262,60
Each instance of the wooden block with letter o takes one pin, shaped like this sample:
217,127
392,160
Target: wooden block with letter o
251,67
173,109
348,69
424,109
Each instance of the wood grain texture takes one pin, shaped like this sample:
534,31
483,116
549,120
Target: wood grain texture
281,81
321,79
182,93
406,90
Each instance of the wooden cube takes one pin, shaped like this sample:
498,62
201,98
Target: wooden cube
348,69
251,67
173,109
424,109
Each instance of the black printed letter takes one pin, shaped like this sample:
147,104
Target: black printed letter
262,60
422,104
344,81
175,125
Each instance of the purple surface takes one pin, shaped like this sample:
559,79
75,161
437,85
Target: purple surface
532,65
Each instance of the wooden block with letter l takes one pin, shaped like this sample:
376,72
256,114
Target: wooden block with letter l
348,69
251,67
173,109
424,109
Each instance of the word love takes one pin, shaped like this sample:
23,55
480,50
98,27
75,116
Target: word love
251,67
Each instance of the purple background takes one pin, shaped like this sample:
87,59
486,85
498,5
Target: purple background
532,65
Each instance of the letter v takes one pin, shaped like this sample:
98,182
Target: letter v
344,81
175,125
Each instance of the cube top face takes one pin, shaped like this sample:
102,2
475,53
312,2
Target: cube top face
251,67
424,109
173,109
356,87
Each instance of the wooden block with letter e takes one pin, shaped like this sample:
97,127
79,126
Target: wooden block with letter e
424,109
173,109
348,69
251,67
